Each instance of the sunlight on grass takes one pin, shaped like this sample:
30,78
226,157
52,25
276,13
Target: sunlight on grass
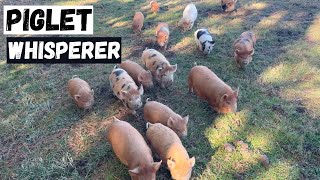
226,128
257,6
297,75
262,139
76,2
283,169
272,20
184,45
313,31
235,22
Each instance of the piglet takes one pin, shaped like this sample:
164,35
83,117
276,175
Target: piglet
190,15
156,112
81,92
167,145
138,74
154,6
244,48
204,40
132,150
137,23
162,34
125,89
159,67
228,5
203,82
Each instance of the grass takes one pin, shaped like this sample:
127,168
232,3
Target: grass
44,136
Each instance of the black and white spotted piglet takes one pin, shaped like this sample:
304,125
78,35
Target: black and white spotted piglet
125,89
204,40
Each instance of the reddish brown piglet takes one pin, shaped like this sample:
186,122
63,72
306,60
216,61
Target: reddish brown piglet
154,6
162,34
244,48
156,112
137,23
132,150
81,93
138,74
204,83
167,145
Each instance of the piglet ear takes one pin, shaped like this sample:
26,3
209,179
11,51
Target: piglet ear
159,69
171,164
192,161
224,97
236,92
141,90
237,51
252,52
170,122
140,78
115,119
135,171
174,68
156,165
92,92
77,97
123,94
186,119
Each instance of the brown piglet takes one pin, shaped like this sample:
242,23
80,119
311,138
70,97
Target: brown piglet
167,145
155,112
137,23
81,93
154,6
228,5
204,83
244,48
162,34
138,74
132,150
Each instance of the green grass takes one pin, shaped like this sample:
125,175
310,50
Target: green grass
44,136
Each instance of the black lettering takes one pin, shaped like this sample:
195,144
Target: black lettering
11,21
64,19
40,22
84,14
49,25
26,20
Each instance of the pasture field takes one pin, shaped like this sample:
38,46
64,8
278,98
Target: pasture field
44,136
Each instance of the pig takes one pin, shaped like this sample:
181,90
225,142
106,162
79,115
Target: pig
137,23
204,83
190,15
167,145
162,34
244,48
156,112
154,6
159,67
138,74
81,93
228,5
204,40
132,150
125,89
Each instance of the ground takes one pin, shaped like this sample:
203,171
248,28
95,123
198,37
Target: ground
44,135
